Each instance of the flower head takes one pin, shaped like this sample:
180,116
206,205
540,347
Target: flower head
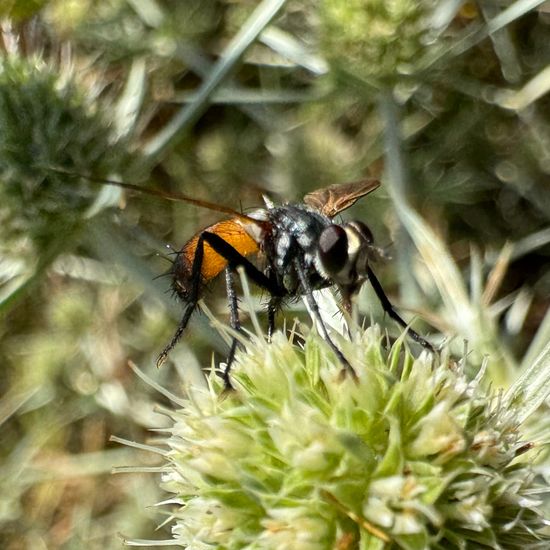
414,454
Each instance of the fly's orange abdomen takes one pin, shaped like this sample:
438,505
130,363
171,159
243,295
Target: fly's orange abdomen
233,233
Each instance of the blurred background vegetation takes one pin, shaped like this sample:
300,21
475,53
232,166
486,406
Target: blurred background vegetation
445,101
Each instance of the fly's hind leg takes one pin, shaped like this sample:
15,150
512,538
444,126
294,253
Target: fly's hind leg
191,301
235,323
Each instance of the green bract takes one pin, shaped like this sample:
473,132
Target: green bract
414,455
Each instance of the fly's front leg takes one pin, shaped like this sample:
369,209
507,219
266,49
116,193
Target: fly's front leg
308,292
388,308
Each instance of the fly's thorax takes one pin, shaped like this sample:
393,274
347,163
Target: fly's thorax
294,236
296,230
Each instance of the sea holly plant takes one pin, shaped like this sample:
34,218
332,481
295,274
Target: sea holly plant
414,454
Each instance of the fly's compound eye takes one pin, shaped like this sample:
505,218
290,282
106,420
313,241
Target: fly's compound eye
333,248
363,230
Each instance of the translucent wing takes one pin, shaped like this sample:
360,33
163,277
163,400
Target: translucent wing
335,198
167,195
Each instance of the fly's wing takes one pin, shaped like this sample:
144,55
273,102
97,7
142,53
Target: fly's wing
167,195
335,198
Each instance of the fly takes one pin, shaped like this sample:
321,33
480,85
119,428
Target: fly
303,249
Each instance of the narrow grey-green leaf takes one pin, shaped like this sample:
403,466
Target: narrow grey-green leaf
532,387
256,23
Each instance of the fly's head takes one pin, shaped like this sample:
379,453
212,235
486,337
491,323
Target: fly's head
343,256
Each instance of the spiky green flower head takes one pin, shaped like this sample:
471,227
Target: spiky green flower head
376,40
48,122
412,455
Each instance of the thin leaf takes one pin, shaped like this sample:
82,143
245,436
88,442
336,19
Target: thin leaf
497,274
534,89
441,265
239,96
503,45
532,387
542,337
188,115
11,402
475,33
290,48
129,104
157,387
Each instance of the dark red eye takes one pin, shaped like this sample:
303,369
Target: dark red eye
333,248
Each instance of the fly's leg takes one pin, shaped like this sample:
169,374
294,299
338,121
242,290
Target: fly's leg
234,322
308,292
191,301
235,259
272,308
388,308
